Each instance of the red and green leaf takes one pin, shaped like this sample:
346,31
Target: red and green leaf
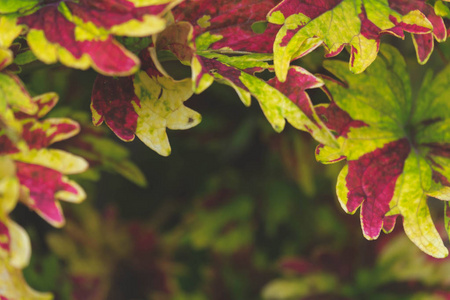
424,43
101,152
14,98
229,25
359,24
40,134
198,39
79,33
397,148
145,105
41,171
43,187
15,245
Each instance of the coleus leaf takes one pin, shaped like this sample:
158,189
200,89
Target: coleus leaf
279,102
40,134
15,246
13,95
229,25
79,33
424,43
14,285
13,98
101,152
144,105
359,24
9,194
9,30
44,184
12,6
396,147
91,272
41,171
441,9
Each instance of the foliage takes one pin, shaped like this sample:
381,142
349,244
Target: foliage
235,191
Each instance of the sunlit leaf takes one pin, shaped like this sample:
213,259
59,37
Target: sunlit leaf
279,101
41,171
144,105
228,25
396,148
359,24
14,286
79,34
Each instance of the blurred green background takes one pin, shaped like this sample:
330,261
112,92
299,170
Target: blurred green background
236,212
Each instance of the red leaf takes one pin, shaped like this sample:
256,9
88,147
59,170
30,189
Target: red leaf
79,33
337,119
371,182
231,21
5,237
424,43
40,134
112,100
43,184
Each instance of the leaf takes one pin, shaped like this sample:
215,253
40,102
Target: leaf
13,98
85,28
143,105
9,186
396,146
15,245
197,46
9,29
424,43
13,6
101,152
41,171
14,285
441,10
359,24
224,230
228,25
298,288
43,186
40,134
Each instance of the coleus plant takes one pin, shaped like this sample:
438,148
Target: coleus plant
396,145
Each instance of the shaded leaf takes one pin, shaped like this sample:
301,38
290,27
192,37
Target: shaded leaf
101,152
297,288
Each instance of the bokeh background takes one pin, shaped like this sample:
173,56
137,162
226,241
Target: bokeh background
236,212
